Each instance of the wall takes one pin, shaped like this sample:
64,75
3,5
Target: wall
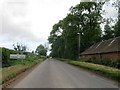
113,55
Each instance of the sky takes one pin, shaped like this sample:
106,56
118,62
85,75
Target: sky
30,21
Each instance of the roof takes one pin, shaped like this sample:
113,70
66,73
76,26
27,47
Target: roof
111,45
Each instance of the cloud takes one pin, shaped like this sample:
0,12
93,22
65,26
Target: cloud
1,16
16,31
15,25
110,11
30,21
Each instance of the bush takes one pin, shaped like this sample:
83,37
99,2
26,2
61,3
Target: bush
6,62
106,62
116,63
5,57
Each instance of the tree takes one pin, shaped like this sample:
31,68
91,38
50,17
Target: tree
32,52
117,29
70,30
117,25
89,14
84,18
57,40
20,47
108,32
41,50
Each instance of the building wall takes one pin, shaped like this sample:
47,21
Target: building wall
113,55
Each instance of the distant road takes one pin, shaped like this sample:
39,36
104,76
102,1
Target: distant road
56,74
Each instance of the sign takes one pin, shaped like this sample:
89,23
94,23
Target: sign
17,56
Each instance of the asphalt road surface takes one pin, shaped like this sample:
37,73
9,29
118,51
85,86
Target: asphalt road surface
56,74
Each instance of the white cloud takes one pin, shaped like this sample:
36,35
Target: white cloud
13,20
110,10
30,21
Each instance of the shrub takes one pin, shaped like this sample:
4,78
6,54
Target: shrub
106,62
6,62
116,63
5,56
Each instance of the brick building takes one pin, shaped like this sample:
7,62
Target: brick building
106,49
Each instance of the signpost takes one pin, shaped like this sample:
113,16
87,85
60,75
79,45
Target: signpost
17,56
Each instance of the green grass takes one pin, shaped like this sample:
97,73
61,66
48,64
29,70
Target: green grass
106,71
29,60
10,72
107,62
16,68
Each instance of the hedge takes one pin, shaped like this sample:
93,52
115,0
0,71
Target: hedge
106,62
6,56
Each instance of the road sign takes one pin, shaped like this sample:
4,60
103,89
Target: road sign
17,56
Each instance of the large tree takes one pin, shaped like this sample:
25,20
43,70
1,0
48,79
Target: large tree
41,50
70,30
108,32
117,25
84,18
89,14
57,40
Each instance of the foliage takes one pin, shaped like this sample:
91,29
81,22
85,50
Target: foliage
84,18
116,27
20,47
89,22
6,62
108,32
11,68
5,56
29,59
106,62
17,68
41,50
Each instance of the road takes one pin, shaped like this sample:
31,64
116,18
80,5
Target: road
56,74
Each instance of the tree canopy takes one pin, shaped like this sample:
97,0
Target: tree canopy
84,18
41,50
20,47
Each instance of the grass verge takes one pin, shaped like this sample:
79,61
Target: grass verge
106,71
12,71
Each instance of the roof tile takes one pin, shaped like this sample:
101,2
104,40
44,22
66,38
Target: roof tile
111,45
